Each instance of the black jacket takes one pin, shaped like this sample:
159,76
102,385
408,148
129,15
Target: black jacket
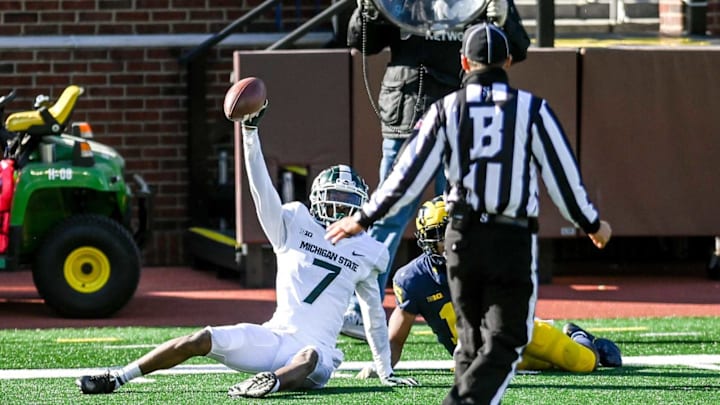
435,59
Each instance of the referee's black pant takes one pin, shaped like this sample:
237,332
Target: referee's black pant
493,283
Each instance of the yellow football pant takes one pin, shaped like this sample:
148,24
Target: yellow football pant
550,347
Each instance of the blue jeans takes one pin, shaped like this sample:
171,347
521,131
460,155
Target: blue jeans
390,229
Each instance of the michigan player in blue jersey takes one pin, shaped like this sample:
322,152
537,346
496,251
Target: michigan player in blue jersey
421,288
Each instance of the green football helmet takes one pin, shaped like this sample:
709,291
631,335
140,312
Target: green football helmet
337,192
431,221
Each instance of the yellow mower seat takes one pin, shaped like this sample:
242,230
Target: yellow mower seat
32,121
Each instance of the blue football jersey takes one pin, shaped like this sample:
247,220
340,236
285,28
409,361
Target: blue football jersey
421,288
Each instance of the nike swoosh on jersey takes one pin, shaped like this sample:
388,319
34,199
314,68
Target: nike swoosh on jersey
354,253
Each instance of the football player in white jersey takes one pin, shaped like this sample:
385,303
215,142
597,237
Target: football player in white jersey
296,348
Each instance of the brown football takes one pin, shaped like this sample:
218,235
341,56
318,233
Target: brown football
244,97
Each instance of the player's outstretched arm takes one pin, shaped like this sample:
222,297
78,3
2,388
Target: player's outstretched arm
268,204
399,327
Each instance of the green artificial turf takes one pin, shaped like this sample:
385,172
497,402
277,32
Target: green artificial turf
114,347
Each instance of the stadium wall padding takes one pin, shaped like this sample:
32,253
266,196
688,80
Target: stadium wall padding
643,121
307,123
651,138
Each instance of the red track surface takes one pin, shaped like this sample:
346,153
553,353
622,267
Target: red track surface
180,296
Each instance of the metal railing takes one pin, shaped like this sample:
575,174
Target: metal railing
246,19
196,65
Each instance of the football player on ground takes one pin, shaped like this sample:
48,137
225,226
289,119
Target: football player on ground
421,289
296,348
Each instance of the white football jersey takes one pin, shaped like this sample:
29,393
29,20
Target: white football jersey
316,279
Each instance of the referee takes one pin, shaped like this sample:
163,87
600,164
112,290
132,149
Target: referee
493,141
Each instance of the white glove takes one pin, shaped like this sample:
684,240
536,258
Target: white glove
367,372
497,12
394,381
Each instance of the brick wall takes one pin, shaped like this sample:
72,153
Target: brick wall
671,17
713,17
674,14
89,17
124,55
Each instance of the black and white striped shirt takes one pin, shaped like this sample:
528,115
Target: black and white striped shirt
510,136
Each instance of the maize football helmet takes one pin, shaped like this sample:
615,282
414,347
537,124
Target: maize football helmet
431,221
337,192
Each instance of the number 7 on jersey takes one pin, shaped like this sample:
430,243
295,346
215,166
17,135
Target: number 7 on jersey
325,282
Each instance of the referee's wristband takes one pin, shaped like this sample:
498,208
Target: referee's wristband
362,219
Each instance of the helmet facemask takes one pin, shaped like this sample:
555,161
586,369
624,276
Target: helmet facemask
336,193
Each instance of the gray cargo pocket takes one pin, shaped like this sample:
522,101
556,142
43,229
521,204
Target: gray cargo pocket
390,102
398,97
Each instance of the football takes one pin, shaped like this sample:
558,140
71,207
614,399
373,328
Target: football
244,97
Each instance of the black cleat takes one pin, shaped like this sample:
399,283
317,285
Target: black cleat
97,384
570,329
256,386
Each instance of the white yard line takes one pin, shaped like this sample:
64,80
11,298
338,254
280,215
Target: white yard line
701,361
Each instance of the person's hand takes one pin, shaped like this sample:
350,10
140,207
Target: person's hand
602,236
395,381
497,12
251,121
341,229
367,372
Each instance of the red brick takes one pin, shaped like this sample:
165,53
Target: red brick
34,68
14,80
209,15
69,67
90,54
189,4
106,67
114,4
109,29
124,127
124,54
160,28
10,29
16,55
78,5
150,4
51,80
91,80
105,91
42,29
169,15
14,18
194,27
47,17
78,29
132,16
97,16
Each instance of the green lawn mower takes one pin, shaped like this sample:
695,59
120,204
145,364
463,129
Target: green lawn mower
67,210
